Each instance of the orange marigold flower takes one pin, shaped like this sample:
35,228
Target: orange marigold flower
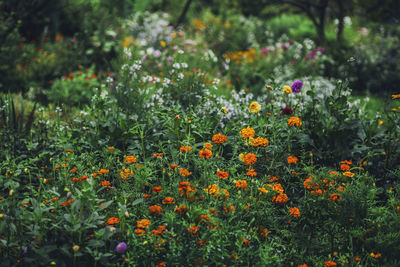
377,255
185,149
277,188
130,159
160,230
158,155
241,184
222,174
344,167
250,159
219,139
335,197
201,243
155,209
295,212
205,153
302,265
74,170
173,166
349,162
317,192
245,242
280,199
264,232
247,132
259,142
329,263
157,189
182,209
161,264
112,221
263,190
185,188
168,200
103,171
111,148
251,172
333,173
274,178
75,179
140,232
193,230
292,160
105,183
348,174
146,196
185,172
357,259
208,146
294,121
144,223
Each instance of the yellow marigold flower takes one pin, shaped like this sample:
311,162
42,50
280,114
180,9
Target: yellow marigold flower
263,190
241,157
219,139
287,89
250,159
125,174
212,189
247,132
255,107
163,43
295,212
294,121
348,174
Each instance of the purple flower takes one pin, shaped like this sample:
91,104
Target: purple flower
296,86
121,247
25,250
287,111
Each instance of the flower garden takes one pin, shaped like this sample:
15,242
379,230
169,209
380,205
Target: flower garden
195,147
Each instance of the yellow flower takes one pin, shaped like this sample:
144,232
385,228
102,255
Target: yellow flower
287,89
127,41
255,107
380,123
348,174
241,157
163,43
224,110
